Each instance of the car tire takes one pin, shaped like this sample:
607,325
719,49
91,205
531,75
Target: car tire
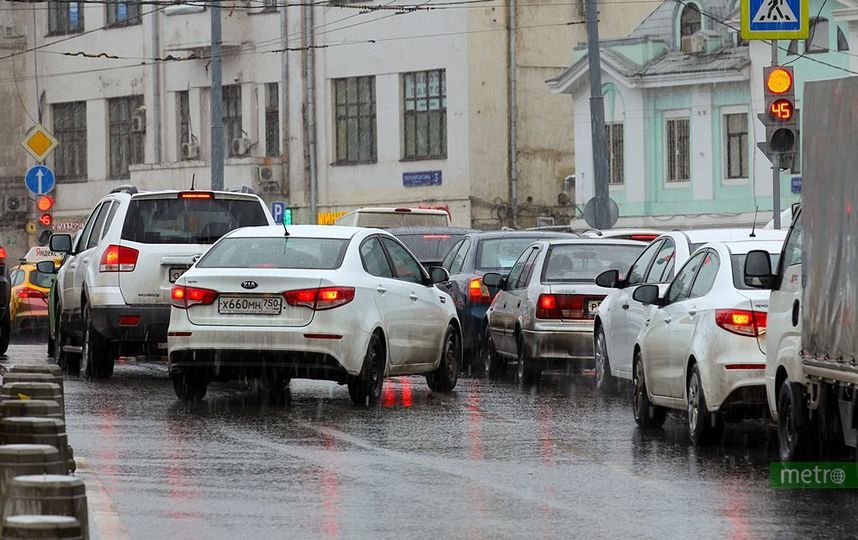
444,378
647,416
605,381
96,360
528,370
704,427
189,386
795,440
64,359
365,389
5,331
493,365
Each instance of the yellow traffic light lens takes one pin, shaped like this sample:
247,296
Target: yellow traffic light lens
44,203
779,81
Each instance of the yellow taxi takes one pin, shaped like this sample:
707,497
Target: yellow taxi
28,304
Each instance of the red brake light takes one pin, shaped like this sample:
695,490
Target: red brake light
742,322
320,299
402,210
27,292
478,292
185,297
2,253
643,237
118,259
196,195
565,306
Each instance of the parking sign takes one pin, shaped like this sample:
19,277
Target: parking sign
774,19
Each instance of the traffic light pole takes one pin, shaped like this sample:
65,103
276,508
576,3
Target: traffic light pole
597,118
776,162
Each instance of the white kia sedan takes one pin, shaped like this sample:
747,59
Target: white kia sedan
346,304
702,349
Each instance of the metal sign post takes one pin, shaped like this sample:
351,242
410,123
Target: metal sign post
776,162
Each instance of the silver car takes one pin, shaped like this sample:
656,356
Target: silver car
543,316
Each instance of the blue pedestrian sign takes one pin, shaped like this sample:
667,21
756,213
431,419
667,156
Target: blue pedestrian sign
40,180
774,19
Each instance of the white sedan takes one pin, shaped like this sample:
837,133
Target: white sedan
703,348
346,304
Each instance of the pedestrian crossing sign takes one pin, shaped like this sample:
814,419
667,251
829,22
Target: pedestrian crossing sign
774,19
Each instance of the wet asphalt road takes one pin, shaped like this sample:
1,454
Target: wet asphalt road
490,460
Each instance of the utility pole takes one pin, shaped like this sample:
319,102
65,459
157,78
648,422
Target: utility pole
597,117
776,162
217,98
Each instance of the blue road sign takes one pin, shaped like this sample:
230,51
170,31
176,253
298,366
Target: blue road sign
424,178
40,180
795,185
774,19
278,208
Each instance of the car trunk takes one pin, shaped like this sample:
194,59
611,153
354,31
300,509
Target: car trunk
156,271
577,301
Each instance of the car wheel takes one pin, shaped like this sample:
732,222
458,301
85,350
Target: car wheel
189,386
365,389
5,331
605,381
63,359
493,365
528,370
794,431
96,362
704,427
647,415
444,378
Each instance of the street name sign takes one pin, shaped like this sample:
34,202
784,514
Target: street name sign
39,143
40,180
774,19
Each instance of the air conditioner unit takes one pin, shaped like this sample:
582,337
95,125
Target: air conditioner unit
694,44
240,146
190,150
14,204
268,179
545,221
138,123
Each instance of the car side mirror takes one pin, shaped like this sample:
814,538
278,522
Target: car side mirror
647,294
61,243
46,267
438,274
493,280
609,279
758,270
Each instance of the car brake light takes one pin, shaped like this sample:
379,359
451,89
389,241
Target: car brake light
643,237
436,236
742,322
196,195
564,306
402,210
129,320
320,299
118,259
478,292
27,292
184,297
3,253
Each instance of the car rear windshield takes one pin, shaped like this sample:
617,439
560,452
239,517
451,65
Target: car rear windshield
41,280
387,220
188,221
499,254
583,262
429,247
290,252
739,269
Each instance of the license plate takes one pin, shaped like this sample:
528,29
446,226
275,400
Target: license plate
249,305
593,305
176,273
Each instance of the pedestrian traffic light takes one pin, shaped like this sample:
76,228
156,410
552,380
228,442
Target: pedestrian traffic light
781,116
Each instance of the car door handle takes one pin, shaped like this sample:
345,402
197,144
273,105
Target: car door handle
413,297
85,261
625,306
692,312
380,289
668,319
72,266
795,310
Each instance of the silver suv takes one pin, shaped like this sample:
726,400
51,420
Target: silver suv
113,289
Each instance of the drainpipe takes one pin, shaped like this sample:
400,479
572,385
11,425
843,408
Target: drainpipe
284,99
156,84
310,81
512,127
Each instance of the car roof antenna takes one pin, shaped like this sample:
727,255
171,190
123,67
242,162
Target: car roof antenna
754,228
285,230
193,180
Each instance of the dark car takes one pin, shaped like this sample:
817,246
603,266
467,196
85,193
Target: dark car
468,260
5,291
430,244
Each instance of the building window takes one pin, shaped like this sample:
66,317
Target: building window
736,141
425,114
817,40
355,120
842,43
614,133
64,17
70,132
231,116
678,150
183,114
123,13
690,20
272,120
126,135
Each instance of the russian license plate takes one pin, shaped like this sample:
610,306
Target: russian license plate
593,305
249,305
176,273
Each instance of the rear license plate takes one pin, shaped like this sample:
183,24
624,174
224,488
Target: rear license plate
176,273
249,305
593,305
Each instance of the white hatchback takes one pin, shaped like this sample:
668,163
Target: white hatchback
346,304
702,350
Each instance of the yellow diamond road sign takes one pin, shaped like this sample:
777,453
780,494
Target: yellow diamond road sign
39,143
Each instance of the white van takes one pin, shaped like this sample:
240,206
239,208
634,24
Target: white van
385,218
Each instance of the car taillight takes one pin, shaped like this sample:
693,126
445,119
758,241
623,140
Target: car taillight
478,292
742,321
565,306
118,259
27,292
3,254
185,297
196,195
320,299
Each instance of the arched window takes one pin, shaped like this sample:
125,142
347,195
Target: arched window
842,44
817,40
690,20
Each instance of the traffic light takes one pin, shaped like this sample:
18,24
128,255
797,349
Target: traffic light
44,204
781,116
